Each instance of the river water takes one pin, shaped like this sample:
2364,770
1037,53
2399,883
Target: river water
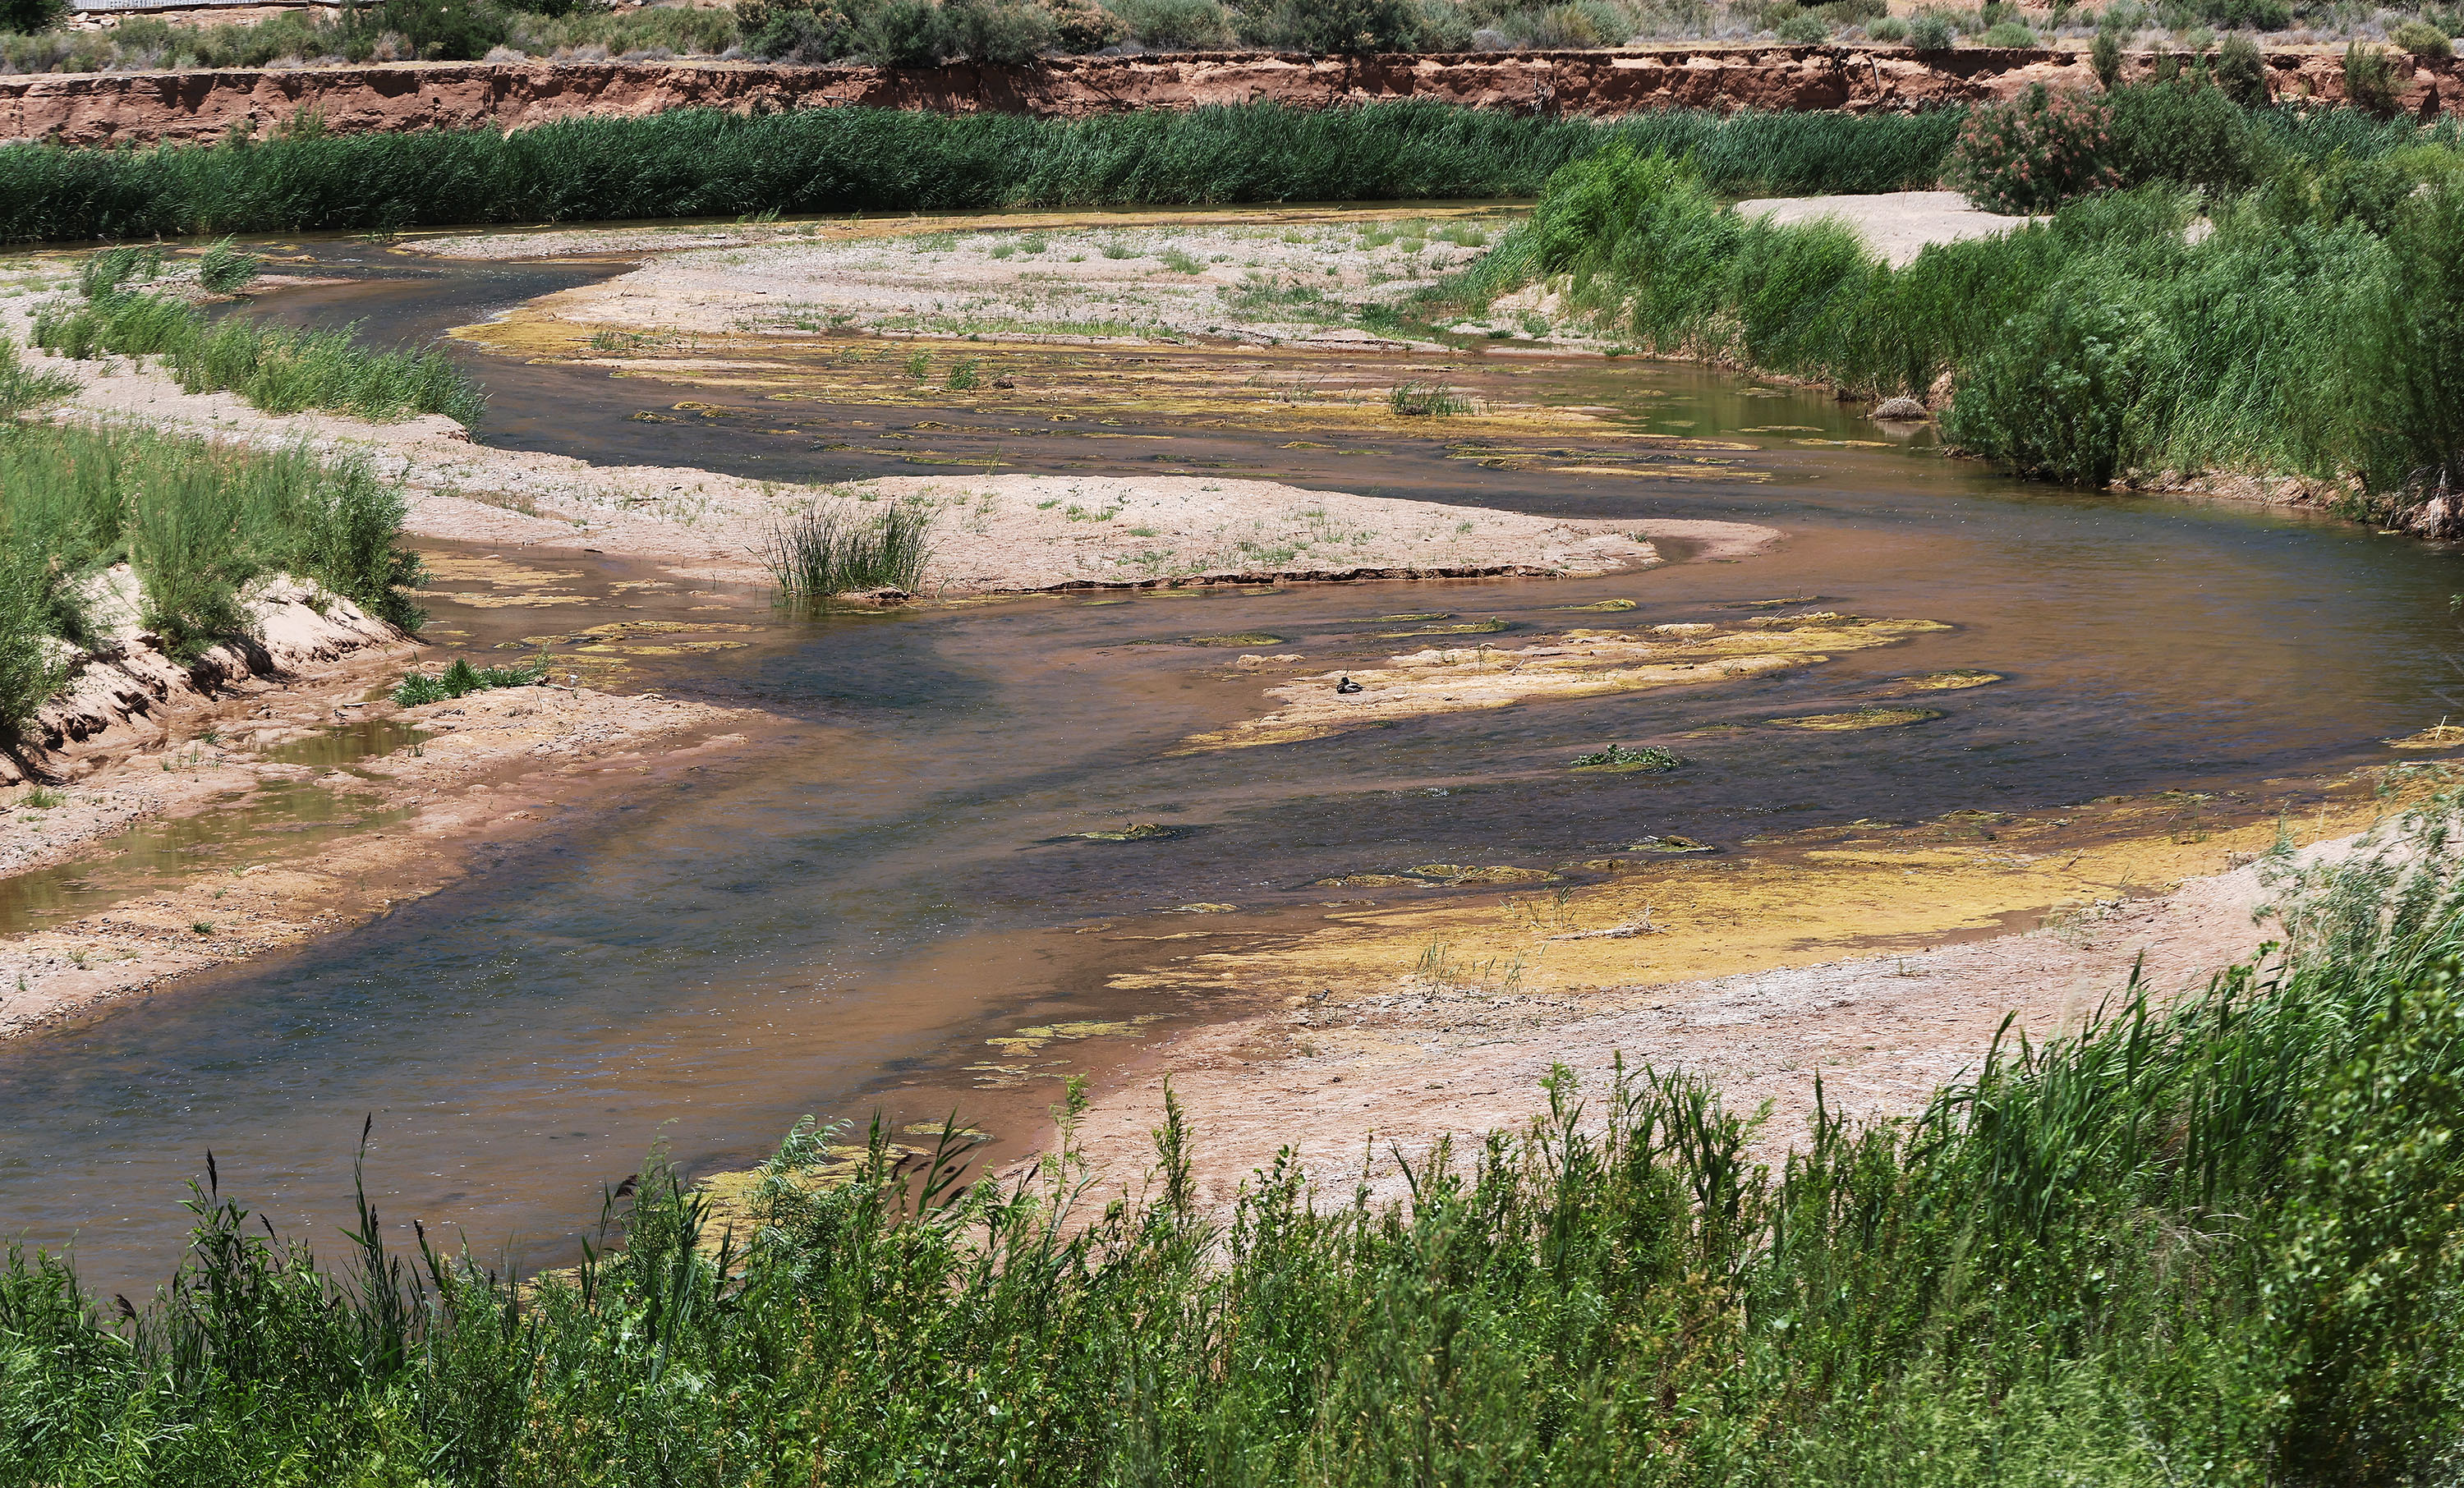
836,921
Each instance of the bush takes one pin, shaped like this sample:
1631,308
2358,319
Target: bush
2105,55
25,17
1177,24
445,31
2049,398
2034,152
1802,29
1005,33
2008,34
896,33
2422,39
1083,25
2185,132
1932,33
2370,79
1347,27
2240,72
1888,29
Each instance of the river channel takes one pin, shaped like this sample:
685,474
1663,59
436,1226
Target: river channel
836,921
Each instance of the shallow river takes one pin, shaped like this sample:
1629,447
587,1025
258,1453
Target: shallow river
836,925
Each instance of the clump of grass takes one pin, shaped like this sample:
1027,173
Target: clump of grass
225,270
828,552
1415,400
1180,262
462,679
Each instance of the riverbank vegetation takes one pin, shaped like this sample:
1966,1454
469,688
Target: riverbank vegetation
2211,1240
280,369
912,32
835,550
197,523
711,162
2236,291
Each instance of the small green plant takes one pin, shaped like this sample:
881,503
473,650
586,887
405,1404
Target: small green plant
962,375
919,366
1415,400
1616,757
43,797
2034,152
462,679
201,927
1179,262
2008,34
1119,250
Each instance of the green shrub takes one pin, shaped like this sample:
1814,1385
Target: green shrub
2034,152
445,31
2421,38
1347,27
1083,25
461,679
2370,79
2008,34
2187,133
1932,33
2050,397
1003,31
1888,29
1802,29
2240,72
1177,24
2105,55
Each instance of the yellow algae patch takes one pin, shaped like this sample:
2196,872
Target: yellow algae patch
500,602
1943,682
1862,718
1900,889
1027,1040
1578,664
2445,736
490,570
1602,606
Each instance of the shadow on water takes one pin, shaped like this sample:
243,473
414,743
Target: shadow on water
842,917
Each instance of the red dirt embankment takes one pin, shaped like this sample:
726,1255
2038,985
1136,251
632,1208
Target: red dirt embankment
135,108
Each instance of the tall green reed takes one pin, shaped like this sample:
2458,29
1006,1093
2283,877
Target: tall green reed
834,550
2211,1237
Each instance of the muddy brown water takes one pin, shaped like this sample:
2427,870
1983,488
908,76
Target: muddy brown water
836,921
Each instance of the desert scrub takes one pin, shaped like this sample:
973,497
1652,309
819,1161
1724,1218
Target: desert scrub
2217,1229
197,521
2313,331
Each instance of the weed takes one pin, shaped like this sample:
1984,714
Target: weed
1180,262
1415,400
1616,757
462,679
43,799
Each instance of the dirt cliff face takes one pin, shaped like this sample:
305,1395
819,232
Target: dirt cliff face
137,108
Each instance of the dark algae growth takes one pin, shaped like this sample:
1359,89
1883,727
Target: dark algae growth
2220,1233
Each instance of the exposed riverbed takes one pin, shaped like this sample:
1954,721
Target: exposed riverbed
892,902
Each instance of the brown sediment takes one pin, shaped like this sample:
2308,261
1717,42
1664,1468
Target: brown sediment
1883,959
139,107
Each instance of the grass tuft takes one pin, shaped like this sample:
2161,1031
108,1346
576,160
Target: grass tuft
827,552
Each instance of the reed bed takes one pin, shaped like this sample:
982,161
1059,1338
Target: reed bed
2319,329
715,163
2213,1240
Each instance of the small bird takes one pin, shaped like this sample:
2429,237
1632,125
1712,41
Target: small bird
1346,685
